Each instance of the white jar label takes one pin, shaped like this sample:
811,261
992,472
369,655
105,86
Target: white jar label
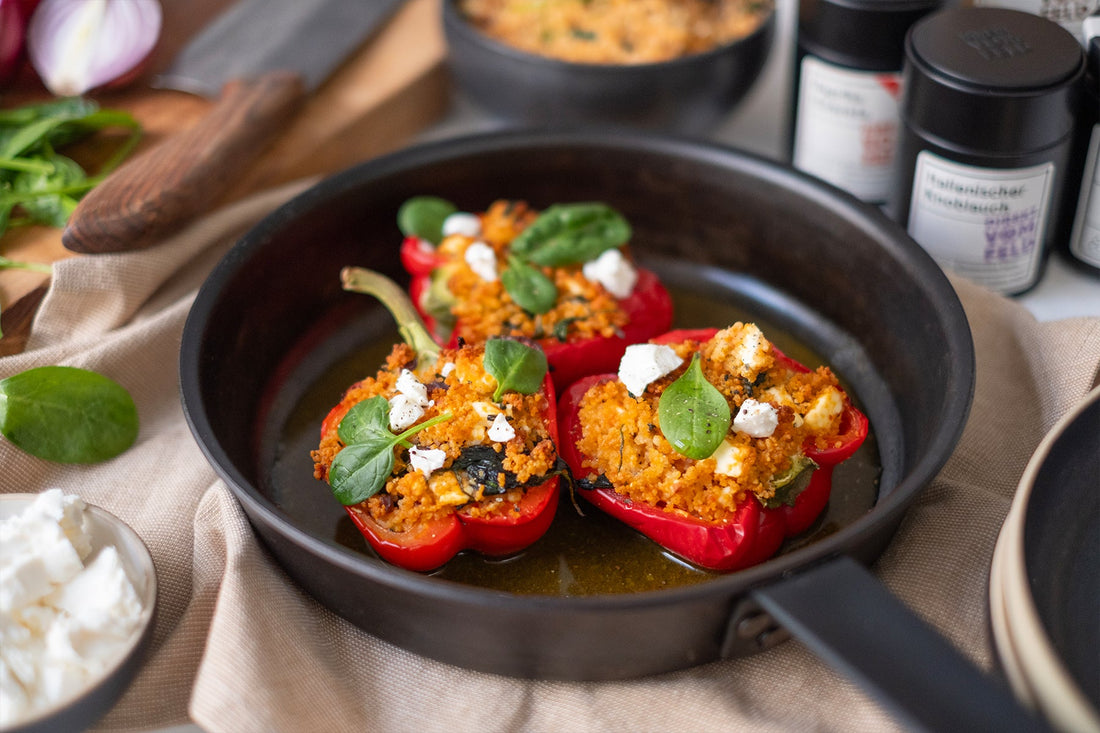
986,224
1084,243
847,127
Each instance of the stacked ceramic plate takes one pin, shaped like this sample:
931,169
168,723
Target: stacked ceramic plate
1045,577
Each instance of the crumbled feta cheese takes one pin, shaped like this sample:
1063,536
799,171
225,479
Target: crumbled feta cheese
613,271
426,460
404,411
446,369
756,419
464,223
642,364
408,405
61,631
730,459
501,431
408,385
829,404
752,351
482,259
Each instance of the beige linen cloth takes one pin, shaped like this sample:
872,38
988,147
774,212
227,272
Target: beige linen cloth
239,648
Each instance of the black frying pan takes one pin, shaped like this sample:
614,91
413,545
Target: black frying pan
832,273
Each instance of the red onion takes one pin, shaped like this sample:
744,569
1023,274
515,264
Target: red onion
80,45
13,24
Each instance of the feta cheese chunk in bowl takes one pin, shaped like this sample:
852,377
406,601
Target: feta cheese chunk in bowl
77,600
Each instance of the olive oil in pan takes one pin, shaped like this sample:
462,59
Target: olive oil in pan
584,552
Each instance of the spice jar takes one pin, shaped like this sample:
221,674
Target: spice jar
1084,240
846,90
988,114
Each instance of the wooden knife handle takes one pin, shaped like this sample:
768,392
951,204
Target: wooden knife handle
166,186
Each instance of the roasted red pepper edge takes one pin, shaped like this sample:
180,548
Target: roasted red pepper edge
432,544
754,533
648,309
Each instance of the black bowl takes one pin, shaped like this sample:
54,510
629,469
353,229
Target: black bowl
688,95
727,227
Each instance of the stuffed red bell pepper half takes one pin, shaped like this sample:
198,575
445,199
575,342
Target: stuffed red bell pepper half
562,277
714,444
444,449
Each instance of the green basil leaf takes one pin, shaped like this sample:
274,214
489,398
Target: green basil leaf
694,415
571,234
362,466
422,216
364,420
66,414
515,365
532,291
360,471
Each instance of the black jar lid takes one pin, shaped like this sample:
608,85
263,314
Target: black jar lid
999,80
861,34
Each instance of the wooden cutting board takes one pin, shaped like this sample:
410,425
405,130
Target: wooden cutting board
375,102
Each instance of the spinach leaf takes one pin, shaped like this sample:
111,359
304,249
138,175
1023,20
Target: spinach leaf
694,415
571,234
66,414
515,365
532,291
35,180
48,197
361,468
10,264
422,216
789,484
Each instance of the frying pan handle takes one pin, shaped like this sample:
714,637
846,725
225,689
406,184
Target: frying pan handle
846,616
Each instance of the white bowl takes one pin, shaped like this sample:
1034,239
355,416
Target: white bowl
88,705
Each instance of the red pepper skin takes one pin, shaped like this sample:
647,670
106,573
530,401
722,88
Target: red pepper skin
419,257
648,309
432,544
754,533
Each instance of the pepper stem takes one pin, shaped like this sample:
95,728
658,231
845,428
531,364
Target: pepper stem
397,302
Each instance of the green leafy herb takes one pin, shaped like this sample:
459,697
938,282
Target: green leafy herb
570,234
39,185
422,216
66,414
561,328
789,484
361,468
515,365
694,415
532,291
9,264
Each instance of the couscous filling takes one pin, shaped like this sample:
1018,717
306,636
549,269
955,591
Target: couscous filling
616,31
477,461
778,409
481,306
